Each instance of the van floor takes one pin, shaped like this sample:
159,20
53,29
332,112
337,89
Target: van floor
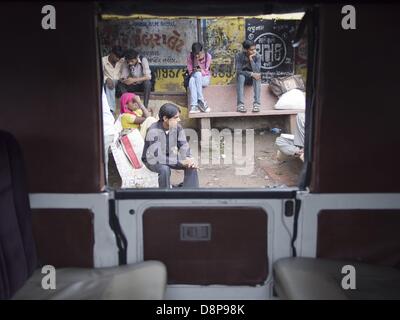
268,171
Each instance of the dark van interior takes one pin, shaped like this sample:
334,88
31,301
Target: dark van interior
337,228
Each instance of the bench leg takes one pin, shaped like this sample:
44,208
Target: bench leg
210,143
292,123
205,127
205,130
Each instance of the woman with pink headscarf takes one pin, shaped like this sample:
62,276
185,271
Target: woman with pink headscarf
134,114
134,119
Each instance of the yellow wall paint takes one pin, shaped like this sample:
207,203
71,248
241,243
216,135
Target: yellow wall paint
223,37
169,79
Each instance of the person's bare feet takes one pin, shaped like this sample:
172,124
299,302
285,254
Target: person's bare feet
300,154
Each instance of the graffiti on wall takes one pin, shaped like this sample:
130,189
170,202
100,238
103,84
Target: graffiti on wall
164,42
223,38
273,39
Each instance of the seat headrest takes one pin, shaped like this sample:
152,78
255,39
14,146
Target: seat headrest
17,248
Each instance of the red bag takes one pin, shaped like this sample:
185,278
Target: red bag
130,153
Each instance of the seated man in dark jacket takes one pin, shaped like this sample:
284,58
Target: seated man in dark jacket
248,70
166,148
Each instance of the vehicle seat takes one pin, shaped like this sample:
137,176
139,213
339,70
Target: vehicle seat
320,279
20,277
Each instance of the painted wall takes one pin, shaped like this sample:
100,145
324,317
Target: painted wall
167,43
273,39
223,38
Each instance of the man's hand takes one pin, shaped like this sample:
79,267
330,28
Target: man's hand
110,84
129,81
252,55
189,163
256,76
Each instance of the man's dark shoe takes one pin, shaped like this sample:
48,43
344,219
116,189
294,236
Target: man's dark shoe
179,185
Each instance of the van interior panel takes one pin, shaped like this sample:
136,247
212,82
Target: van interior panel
55,115
64,237
369,236
236,252
186,243
356,140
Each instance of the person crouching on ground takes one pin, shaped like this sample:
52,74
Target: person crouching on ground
198,65
134,115
292,146
248,71
166,148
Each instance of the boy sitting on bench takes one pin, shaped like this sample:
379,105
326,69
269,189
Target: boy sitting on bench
248,71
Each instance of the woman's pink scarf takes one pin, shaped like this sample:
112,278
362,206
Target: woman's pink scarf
125,98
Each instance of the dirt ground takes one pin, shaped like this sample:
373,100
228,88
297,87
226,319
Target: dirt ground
268,171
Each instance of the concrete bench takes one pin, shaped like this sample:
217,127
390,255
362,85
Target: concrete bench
222,101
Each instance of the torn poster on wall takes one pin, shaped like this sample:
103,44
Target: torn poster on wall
273,39
164,42
223,38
